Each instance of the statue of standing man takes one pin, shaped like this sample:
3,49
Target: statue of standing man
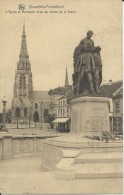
86,72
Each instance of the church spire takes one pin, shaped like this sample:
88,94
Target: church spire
23,51
22,102
66,79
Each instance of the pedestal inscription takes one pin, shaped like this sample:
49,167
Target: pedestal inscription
90,115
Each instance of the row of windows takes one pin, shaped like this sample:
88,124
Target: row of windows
17,112
60,103
63,112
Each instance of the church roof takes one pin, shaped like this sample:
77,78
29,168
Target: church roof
60,90
40,96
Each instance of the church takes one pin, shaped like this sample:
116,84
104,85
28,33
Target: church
29,105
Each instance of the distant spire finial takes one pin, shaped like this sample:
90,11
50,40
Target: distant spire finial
66,79
24,27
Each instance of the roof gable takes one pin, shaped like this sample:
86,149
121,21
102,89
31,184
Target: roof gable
108,90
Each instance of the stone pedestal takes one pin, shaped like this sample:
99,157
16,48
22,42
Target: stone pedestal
89,116
60,154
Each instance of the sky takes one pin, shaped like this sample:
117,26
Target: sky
52,38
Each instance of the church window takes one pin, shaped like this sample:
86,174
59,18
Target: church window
25,112
20,93
20,81
36,106
17,113
24,80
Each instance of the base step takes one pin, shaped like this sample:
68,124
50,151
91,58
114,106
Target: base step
100,157
99,170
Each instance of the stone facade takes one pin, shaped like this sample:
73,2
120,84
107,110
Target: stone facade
64,109
63,120
23,88
29,105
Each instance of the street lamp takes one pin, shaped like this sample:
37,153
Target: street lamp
4,114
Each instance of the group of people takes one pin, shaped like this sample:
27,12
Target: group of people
87,75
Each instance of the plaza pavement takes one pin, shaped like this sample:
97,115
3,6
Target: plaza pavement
24,175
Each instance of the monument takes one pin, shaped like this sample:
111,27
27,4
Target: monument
90,111
78,154
87,75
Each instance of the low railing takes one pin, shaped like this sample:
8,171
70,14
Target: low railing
21,145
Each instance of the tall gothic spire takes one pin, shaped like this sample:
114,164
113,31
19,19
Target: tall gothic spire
23,52
66,79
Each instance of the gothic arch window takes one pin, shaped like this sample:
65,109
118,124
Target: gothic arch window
20,93
46,112
36,106
46,115
20,81
25,112
24,80
36,117
17,112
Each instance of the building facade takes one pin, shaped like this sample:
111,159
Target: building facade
118,111
29,105
23,88
63,121
109,90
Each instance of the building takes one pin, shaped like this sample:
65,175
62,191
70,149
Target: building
118,111
63,121
22,102
29,105
108,90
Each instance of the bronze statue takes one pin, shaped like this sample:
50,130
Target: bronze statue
87,75
97,78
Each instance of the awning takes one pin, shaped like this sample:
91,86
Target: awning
60,120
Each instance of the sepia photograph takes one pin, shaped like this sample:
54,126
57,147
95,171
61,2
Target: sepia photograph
61,97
